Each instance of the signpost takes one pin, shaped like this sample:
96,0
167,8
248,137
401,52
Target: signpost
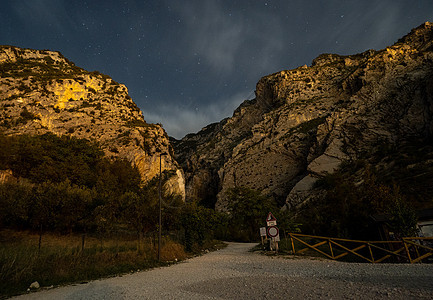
272,231
262,233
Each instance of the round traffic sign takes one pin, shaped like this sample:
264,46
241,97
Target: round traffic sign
272,231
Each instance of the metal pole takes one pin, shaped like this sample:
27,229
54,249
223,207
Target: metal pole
159,228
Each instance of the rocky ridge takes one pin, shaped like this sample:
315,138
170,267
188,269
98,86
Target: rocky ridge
304,123
42,91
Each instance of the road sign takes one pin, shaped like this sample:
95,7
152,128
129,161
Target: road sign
271,223
273,231
262,231
270,220
270,217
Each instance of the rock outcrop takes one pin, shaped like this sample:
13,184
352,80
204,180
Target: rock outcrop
41,91
304,123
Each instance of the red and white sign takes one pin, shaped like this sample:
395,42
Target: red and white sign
273,231
270,217
270,220
271,223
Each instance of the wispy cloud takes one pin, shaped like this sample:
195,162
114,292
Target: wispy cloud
225,39
383,25
213,35
179,121
50,13
360,25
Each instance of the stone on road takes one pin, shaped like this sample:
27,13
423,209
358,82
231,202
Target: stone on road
235,273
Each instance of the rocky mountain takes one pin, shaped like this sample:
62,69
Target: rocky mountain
374,107
41,91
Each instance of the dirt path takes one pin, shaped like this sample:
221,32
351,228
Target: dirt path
235,273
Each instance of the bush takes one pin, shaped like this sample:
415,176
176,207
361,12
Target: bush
403,217
346,209
67,180
199,224
248,210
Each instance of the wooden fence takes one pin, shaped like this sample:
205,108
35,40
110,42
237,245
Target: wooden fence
408,250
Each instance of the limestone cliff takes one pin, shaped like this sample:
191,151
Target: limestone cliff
304,123
41,91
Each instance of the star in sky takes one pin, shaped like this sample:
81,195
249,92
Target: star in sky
189,63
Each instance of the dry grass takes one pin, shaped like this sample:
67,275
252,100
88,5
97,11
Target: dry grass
172,251
61,258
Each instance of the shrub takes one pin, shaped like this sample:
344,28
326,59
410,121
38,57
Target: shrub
200,224
248,210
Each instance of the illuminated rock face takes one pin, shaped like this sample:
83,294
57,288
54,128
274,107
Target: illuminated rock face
305,122
41,91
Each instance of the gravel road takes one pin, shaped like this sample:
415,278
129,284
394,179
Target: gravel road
235,273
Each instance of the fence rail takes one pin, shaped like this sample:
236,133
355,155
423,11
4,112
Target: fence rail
409,249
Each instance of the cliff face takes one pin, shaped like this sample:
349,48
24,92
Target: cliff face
41,91
305,122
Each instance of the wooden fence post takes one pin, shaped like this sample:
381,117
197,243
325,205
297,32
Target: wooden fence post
407,250
293,245
371,252
330,248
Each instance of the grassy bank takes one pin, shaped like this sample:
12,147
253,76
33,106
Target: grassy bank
62,259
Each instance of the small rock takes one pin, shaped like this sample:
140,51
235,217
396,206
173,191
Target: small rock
35,285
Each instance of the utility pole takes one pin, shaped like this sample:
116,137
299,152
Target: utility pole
160,208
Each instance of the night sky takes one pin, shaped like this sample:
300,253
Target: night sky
190,63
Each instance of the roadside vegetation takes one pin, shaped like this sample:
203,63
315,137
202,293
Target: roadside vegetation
64,259
346,209
69,214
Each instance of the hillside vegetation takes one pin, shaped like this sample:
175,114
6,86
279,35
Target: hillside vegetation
323,140
68,213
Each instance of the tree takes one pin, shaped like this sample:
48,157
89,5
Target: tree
248,210
73,207
403,217
134,213
15,204
287,222
198,223
346,209
140,210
